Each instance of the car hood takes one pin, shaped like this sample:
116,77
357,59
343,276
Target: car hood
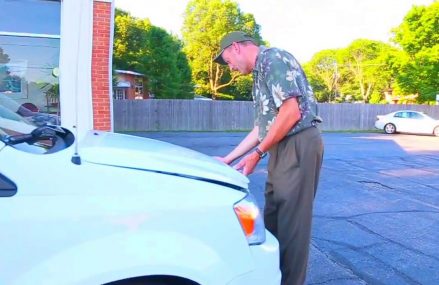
145,154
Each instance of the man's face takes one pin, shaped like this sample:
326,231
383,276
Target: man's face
235,58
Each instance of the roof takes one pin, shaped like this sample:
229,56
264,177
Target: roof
128,72
123,84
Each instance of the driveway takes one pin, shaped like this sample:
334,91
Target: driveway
376,214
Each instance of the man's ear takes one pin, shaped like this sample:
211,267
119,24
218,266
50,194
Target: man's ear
236,47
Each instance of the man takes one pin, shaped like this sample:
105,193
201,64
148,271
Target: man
285,126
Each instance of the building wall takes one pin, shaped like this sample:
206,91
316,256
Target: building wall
101,64
131,79
131,91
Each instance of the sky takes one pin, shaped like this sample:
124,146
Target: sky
303,27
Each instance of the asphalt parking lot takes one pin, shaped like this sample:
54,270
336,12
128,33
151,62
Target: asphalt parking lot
376,213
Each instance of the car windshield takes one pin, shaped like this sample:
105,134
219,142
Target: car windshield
16,119
11,121
30,131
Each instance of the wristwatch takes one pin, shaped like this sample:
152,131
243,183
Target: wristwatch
260,152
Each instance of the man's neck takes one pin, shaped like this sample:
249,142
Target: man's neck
253,55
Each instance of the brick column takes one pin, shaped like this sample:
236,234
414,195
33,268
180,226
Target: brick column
101,79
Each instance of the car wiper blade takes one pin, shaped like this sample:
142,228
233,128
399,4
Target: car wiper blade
56,128
41,133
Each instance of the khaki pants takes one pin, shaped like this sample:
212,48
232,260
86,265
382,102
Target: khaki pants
293,175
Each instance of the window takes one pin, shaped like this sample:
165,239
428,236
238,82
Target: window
138,86
30,16
402,115
120,94
29,55
416,116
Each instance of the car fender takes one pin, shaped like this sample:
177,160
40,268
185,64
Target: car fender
122,256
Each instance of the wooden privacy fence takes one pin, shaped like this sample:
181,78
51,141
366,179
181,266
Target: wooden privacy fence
200,115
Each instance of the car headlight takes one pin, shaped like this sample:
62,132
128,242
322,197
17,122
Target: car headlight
250,219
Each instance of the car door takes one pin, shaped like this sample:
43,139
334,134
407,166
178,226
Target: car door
413,122
402,121
420,123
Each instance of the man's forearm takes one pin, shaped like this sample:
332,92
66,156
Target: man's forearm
248,143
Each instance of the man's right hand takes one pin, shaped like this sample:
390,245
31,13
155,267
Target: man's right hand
248,164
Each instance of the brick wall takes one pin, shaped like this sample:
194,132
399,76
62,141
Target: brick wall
101,81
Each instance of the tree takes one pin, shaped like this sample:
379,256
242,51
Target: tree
419,29
144,48
364,62
322,72
360,71
7,82
367,68
242,88
205,23
4,57
417,67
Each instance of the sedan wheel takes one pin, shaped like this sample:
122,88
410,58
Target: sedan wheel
390,128
436,131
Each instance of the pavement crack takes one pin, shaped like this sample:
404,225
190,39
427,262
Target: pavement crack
375,184
347,264
370,231
336,262
374,213
337,280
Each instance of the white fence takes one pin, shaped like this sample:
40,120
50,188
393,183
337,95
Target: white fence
199,115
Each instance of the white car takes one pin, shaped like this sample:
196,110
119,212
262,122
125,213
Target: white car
118,209
407,122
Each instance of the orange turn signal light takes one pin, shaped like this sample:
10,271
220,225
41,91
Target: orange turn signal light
247,214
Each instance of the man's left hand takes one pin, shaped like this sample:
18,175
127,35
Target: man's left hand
222,159
248,164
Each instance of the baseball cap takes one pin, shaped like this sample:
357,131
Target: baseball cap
228,40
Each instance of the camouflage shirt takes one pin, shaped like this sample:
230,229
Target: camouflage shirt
278,76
